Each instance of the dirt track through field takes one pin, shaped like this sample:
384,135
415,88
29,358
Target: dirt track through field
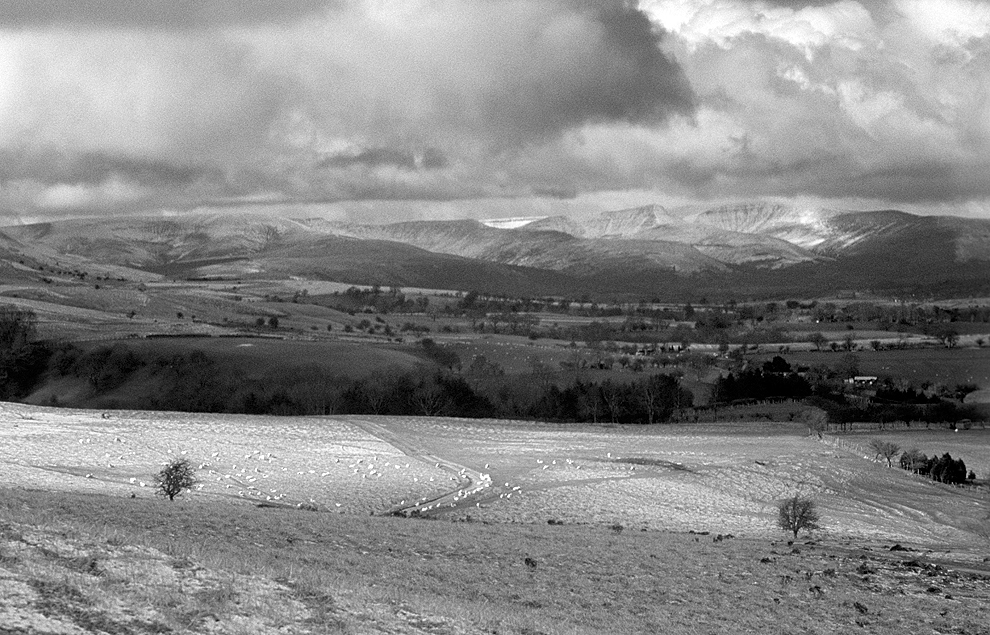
471,483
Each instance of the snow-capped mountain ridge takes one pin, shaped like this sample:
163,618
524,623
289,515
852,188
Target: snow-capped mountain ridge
632,248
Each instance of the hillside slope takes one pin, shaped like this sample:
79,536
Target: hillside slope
754,248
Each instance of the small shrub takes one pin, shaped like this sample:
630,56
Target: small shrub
176,476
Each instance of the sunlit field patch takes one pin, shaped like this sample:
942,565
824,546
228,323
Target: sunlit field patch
263,460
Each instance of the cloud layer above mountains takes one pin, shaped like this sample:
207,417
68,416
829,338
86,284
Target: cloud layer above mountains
118,104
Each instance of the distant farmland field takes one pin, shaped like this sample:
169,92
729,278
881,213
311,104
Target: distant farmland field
949,366
258,356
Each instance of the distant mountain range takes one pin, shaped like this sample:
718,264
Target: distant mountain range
744,250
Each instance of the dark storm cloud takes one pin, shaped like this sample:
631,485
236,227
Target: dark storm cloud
618,72
95,168
925,182
313,100
155,14
184,100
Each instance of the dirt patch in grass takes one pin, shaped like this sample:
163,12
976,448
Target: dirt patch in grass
670,465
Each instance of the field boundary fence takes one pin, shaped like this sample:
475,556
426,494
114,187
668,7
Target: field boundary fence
895,426
850,446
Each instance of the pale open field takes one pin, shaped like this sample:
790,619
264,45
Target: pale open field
79,555
724,479
334,463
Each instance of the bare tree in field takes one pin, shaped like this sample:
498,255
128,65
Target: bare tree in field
797,513
886,449
176,476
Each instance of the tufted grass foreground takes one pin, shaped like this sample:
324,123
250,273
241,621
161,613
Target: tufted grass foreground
369,574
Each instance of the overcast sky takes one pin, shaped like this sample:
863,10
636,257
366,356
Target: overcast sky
500,105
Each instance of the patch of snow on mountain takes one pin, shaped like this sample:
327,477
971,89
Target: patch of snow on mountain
805,227
511,223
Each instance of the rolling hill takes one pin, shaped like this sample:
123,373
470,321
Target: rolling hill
752,249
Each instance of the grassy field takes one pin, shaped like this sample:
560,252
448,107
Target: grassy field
654,529
720,478
191,567
723,478
335,463
256,356
938,364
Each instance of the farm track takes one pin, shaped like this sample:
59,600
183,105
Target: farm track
470,482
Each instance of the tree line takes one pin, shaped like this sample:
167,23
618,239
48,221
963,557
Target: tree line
887,403
23,360
195,382
943,469
775,378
